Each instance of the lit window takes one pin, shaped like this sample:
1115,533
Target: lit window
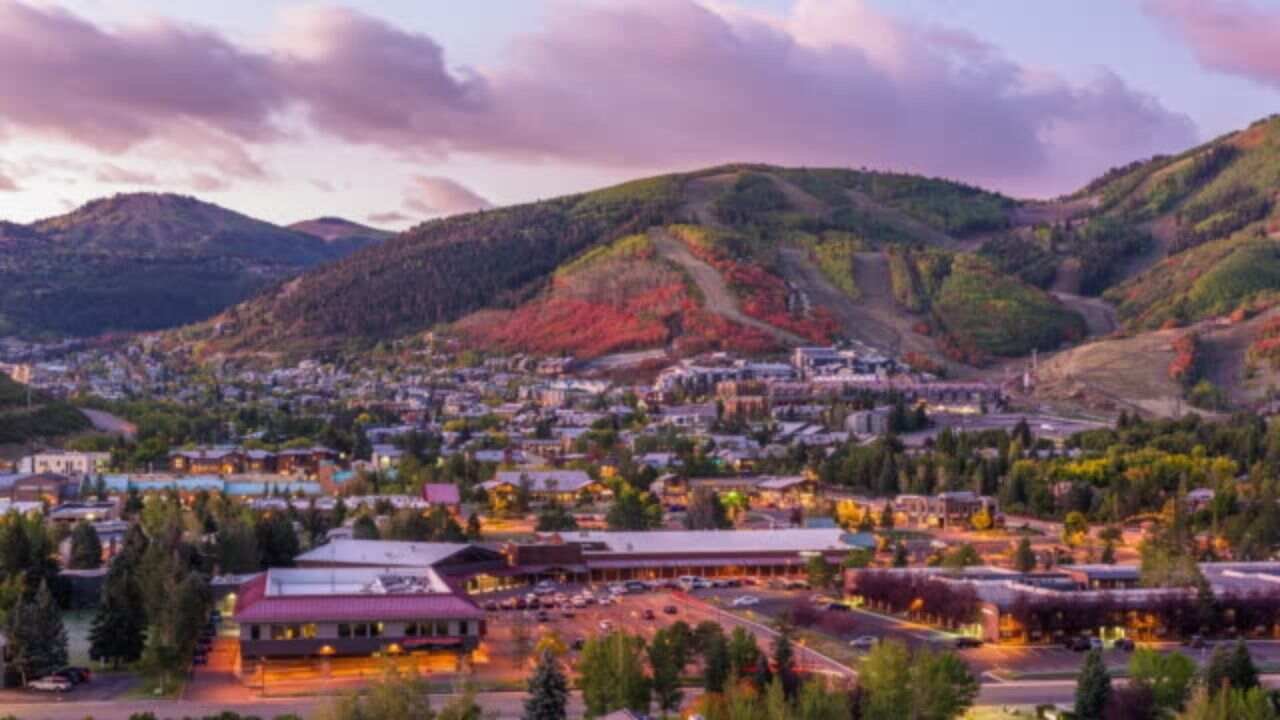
309,630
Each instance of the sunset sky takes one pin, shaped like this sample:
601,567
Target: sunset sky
392,111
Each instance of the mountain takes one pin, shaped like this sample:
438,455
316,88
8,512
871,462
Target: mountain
746,257
1198,305
341,233
141,262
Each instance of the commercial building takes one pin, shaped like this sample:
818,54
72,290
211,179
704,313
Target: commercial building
1104,601
333,612
71,463
608,556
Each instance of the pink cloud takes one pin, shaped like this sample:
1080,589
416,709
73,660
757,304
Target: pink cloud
393,217
204,182
7,184
442,196
638,85
114,89
1231,36
114,174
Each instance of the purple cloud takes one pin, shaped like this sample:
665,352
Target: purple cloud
642,85
113,90
1230,36
442,196
393,217
114,174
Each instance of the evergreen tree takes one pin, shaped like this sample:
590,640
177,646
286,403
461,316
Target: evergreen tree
38,637
784,661
900,556
548,691
1024,558
364,528
1093,687
473,527
1109,553
744,653
86,548
715,664
118,634
663,663
1241,671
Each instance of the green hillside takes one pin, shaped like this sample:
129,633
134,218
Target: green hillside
44,418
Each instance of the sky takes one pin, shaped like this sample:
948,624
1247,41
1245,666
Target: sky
389,112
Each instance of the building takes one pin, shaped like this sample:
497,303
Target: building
207,461
42,487
597,556
1006,606
563,486
442,494
70,463
869,422
356,611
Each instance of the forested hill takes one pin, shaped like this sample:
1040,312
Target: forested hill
341,233
142,261
35,416
533,258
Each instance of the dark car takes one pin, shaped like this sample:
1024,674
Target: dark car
543,616
491,605
648,614
967,642
1125,644
837,607
200,660
670,610
74,675
1078,644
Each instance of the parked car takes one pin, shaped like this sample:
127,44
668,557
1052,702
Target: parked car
965,641
745,601
1096,644
606,625
74,675
635,586
491,605
648,614
546,587
1125,644
1078,644
543,616
51,683
567,612
670,610
864,642
837,607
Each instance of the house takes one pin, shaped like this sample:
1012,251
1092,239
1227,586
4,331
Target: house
563,486
70,463
385,457
207,461
695,417
43,487
442,494
304,461
869,422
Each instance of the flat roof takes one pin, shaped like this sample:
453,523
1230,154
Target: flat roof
382,553
737,542
305,582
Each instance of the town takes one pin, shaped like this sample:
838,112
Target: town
459,518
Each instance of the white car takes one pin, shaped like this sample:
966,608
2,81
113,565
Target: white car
51,683
579,601
606,625
745,601
865,642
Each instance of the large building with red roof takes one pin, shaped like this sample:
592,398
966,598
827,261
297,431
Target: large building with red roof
324,612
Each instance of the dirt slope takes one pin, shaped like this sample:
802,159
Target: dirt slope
716,295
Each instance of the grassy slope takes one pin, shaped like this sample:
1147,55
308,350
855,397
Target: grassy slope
47,417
